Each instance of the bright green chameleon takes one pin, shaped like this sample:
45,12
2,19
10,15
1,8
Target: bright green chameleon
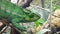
14,14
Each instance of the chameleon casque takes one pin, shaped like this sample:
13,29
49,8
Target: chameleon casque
15,14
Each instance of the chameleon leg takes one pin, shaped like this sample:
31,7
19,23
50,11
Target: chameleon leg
17,25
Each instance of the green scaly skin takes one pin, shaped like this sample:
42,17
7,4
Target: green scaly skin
15,14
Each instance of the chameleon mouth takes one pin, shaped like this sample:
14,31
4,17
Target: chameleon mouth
33,19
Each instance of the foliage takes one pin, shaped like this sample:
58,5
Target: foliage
54,6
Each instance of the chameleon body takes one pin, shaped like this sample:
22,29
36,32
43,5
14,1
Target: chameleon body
15,14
